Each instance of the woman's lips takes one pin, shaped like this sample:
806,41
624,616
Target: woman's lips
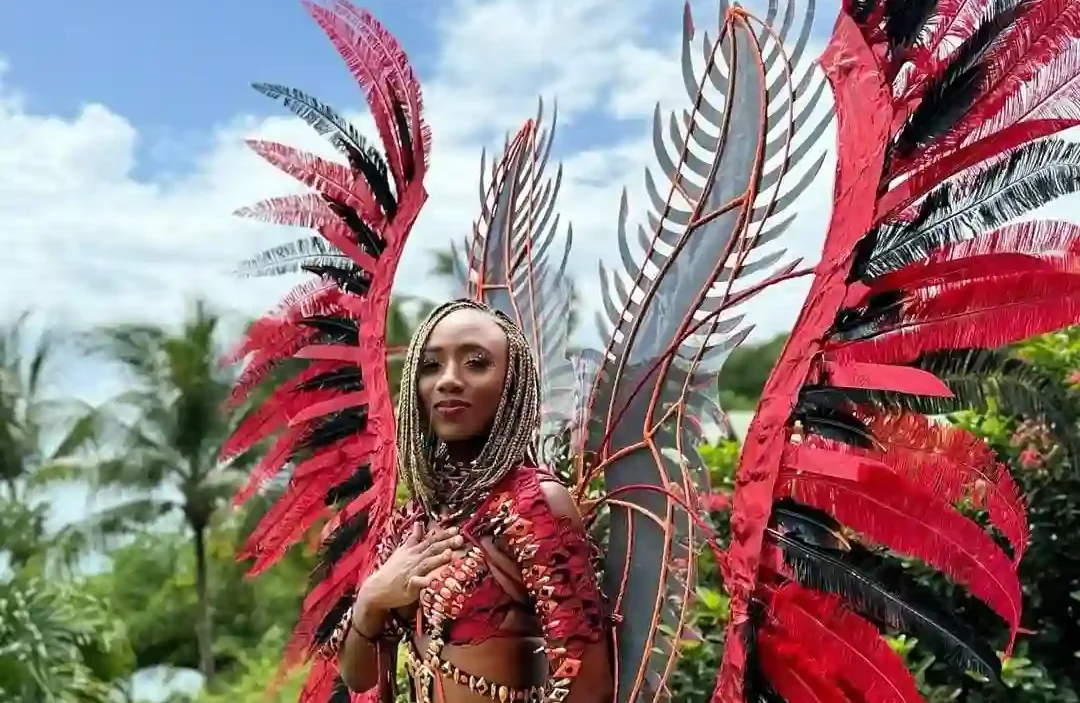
450,409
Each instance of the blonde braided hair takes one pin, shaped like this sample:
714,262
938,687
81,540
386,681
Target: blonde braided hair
512,442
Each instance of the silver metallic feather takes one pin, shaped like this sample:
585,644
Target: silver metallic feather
732,166
514,264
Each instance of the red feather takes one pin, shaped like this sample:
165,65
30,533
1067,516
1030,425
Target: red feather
1046,30
864,122
294,512
305,210
795,676
276,411
910,520
955,465
379,65
940,271
980,313
858,658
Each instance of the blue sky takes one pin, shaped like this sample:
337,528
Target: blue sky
177,70
123,126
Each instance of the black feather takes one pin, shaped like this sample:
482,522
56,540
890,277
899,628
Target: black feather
885,594
338,544
905,19
347,379
832,424
861,10
1028,178
349,278
329,623
327,122
330,429
756,687
881,311
408,164
809,525
334,329
864,250
376,177
951,94
366,238
350,488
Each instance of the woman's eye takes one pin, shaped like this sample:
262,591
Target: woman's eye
428,365
478,362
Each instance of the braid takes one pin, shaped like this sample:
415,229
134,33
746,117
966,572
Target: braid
511,442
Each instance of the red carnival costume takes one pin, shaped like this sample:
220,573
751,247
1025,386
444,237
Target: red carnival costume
945,112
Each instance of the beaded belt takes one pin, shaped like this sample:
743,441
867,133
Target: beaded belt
421,670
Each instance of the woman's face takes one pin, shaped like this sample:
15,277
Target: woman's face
462,370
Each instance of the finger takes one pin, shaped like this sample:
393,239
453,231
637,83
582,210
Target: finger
438,535
449,543
418,583
432,563
415,535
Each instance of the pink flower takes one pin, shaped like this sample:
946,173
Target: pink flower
1030,458
1074,378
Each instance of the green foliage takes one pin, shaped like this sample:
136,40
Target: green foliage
151,586
256,676
746,371
1046,474
702,642
1023,679
58,643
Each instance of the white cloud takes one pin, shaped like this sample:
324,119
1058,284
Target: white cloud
86,242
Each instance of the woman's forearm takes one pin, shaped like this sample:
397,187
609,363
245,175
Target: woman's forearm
362,653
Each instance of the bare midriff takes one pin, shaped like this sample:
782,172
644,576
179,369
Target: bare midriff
514,662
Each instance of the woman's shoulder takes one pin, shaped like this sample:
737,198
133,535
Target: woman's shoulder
530,473
532,487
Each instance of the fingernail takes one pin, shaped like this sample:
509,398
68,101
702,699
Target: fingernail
453,530
458,541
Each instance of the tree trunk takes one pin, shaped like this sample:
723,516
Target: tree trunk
204,631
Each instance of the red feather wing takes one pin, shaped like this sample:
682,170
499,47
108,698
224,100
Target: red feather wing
942,140
333,434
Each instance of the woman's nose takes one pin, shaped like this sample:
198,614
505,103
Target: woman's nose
449,381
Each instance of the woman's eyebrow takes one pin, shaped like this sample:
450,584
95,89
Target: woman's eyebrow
464,346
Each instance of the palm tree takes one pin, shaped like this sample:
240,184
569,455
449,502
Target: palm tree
27,417
56,641
22,406
163,436
59,643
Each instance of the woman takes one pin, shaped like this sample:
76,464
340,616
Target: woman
488,567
